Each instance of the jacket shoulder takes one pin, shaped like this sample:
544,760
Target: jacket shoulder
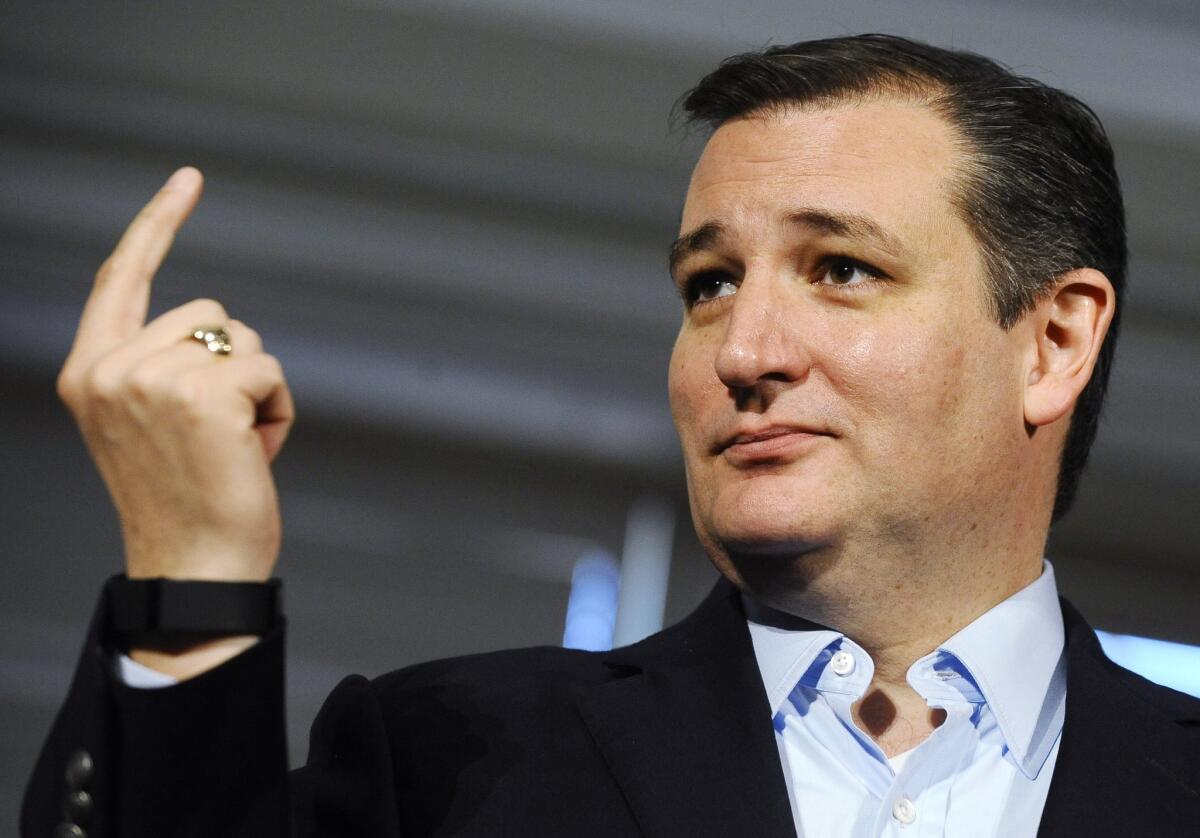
532,668
482,738
1179,706
1087,658
710,630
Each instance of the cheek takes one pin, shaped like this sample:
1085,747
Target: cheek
698,401
903,381
927,398
690,385
678,386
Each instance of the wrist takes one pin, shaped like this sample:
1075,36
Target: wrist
188,660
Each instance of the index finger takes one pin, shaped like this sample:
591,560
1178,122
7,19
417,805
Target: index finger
120,297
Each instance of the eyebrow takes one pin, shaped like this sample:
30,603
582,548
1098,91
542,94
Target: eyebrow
843,224
702,238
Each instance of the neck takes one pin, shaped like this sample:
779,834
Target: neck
898,602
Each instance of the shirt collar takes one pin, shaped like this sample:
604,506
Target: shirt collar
1013,652
785,647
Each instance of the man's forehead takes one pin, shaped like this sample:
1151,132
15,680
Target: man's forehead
886,161
884,151
848,225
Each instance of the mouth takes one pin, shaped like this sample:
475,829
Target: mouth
771,444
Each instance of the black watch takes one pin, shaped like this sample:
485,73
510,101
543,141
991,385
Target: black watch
172,610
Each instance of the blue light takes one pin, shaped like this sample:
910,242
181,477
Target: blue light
1174,665
592,604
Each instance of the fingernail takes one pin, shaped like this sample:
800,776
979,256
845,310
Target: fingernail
181,177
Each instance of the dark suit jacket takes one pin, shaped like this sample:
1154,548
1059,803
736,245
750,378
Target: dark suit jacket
668,737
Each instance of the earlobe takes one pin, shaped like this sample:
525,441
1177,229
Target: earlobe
1069,326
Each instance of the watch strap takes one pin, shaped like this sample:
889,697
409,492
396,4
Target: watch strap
149,609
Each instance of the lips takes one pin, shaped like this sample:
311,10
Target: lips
772,443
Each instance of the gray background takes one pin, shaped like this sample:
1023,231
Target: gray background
450,221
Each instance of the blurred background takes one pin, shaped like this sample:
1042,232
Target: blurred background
450,220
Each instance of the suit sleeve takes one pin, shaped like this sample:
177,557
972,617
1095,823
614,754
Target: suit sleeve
207,756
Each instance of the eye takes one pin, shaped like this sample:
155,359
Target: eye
842,271
707,286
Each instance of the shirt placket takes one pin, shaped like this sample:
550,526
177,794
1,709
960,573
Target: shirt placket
839,677
917,802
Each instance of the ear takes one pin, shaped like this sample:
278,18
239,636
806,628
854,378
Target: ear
1069,326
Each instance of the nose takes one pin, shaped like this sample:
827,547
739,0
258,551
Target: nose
763,340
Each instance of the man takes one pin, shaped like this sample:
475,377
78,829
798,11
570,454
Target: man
900,269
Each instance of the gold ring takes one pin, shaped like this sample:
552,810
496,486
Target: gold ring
214,337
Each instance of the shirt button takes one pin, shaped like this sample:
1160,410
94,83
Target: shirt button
904,810
79,769
77,806
842,663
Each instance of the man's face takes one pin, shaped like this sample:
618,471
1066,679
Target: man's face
838,379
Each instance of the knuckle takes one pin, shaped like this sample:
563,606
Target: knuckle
67,386
180,405
204,312
104,383
212,309
106,270
142,384
187,393
147,216
187,390
179,393
250,337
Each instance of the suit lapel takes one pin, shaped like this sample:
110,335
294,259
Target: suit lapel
686,730
1127,760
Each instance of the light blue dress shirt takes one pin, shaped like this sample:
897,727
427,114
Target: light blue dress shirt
983,773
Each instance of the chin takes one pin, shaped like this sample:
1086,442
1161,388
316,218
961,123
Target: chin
777,573
771,515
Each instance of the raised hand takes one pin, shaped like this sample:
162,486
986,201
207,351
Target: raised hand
182,436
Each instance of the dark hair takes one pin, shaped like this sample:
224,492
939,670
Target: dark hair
1039,190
